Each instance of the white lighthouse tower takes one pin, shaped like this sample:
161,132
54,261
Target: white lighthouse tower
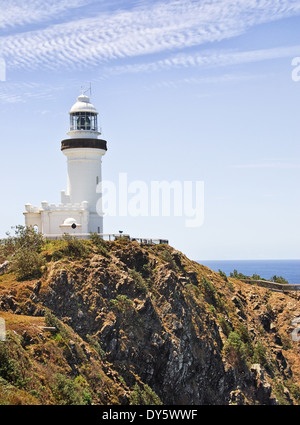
80,211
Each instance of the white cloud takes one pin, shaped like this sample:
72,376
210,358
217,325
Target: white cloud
19,12
208,59
144,30
271,164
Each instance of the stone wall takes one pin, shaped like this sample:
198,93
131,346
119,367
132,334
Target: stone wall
273,286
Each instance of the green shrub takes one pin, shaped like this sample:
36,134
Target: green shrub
279,279
8,366
166,256
141,284
14,363
225,326
235,350
143,396
236,275
24,249
52,321
25,237
223,275
93,342
100,244
70,391
75,248
67,247
27,264
294,390
260,354
208,287
122,304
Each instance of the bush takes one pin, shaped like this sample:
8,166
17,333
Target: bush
100,244
8,366
52,321
14,363
209,291
223,275
24,237
236,275
145,396
67,247
225,325
70,391
25,248
141,284
166,256
279,279
235,350
122,303
75,248
260,354
27,264
208,287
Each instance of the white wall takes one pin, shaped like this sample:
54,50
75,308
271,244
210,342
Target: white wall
84,171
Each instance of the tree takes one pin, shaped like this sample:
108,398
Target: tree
279,279
23,250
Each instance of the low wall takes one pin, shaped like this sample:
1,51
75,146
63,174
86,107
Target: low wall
4,267
273,286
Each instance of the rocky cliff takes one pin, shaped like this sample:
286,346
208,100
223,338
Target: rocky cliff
124,323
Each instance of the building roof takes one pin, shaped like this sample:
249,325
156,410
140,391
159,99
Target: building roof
83,104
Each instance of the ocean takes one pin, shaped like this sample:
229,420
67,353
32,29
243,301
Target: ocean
288,269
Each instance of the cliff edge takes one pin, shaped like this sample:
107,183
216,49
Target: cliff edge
124,323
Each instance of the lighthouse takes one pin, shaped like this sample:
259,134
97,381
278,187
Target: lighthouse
80,210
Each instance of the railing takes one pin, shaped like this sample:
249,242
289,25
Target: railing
280,287
151,241
111,237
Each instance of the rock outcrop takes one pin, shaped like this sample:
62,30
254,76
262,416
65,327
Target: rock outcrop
152,323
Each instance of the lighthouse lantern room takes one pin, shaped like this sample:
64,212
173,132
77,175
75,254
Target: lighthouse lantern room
80,210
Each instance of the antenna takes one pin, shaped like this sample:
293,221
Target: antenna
88,90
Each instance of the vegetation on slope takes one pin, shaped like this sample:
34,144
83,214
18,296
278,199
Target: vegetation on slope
94,322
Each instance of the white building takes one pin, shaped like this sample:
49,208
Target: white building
80,210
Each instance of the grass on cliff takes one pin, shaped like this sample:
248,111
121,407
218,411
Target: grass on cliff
29,253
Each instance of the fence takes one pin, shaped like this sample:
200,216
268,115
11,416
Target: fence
111,237
280,287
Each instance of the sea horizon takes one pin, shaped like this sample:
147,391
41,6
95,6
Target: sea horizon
266,269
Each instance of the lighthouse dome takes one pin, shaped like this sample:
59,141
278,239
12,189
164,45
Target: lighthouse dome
83,119
83,104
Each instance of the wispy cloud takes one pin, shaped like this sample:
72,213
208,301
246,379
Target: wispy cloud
143,30
16,13
270,164
217,79
207,59
21,92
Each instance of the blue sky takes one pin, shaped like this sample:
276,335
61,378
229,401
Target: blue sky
186,90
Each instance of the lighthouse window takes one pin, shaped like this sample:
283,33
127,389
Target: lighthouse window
83,121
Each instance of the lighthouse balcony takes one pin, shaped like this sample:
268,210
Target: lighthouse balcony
84,143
